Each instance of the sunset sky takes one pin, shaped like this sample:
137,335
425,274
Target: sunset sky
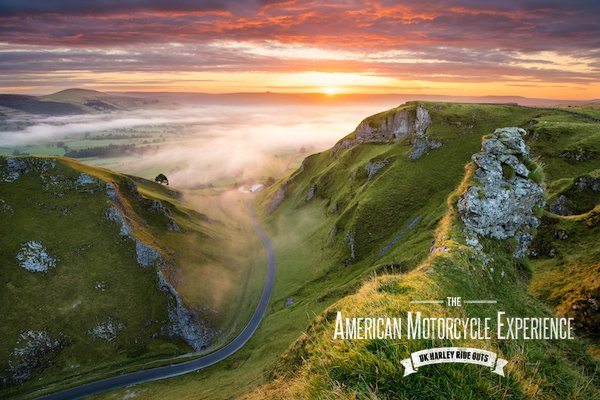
531,48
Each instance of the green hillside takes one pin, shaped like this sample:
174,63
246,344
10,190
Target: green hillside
366,214
359,228
95,101
74,101
103,272
361,218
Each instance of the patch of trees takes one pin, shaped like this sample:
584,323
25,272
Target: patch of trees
112,150
162,179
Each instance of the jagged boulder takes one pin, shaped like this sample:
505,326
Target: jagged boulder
503,204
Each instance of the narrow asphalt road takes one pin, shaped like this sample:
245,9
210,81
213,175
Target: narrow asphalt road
169,371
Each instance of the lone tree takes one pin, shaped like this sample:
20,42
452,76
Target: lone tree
161,178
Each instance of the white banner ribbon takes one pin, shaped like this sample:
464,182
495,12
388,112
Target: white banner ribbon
465,355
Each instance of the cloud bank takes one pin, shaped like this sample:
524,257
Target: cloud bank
51,43
209,143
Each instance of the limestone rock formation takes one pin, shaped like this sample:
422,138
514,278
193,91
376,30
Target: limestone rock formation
34,350
183,322
394,126
503,203
146,255
34,257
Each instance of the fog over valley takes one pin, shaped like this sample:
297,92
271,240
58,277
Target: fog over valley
194,146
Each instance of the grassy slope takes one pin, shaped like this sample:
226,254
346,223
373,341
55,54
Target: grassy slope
371,368
64,301
314,267
83,98
367,369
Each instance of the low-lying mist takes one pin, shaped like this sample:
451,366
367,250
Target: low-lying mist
199,146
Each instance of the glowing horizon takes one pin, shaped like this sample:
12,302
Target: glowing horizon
426,47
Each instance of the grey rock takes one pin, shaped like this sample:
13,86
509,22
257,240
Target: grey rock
584,183
34,350
113,214
289,302
35,258
562,206
277,198
172,226
184,324
85,179
5,208
395,127
156,206
86,183
106,330
421,145
373,167
111,192
133,189
14,167
146,255
351,244
334,208
502,208
311,193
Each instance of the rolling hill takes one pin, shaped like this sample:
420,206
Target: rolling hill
75,101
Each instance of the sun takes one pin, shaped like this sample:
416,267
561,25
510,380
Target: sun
330,91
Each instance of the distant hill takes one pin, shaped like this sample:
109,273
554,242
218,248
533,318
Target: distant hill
74,101
338,99
33,105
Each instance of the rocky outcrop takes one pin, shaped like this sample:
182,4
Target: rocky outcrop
390,127
562,206
183,322
580,197
35,258
85,179
113,214
502,204
106,330
421,145
34,350
311,192
277,198
156,206
13,167
393,126
146,255
373,167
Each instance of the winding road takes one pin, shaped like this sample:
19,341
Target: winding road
172,370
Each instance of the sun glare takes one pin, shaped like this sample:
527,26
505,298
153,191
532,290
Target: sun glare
330,91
